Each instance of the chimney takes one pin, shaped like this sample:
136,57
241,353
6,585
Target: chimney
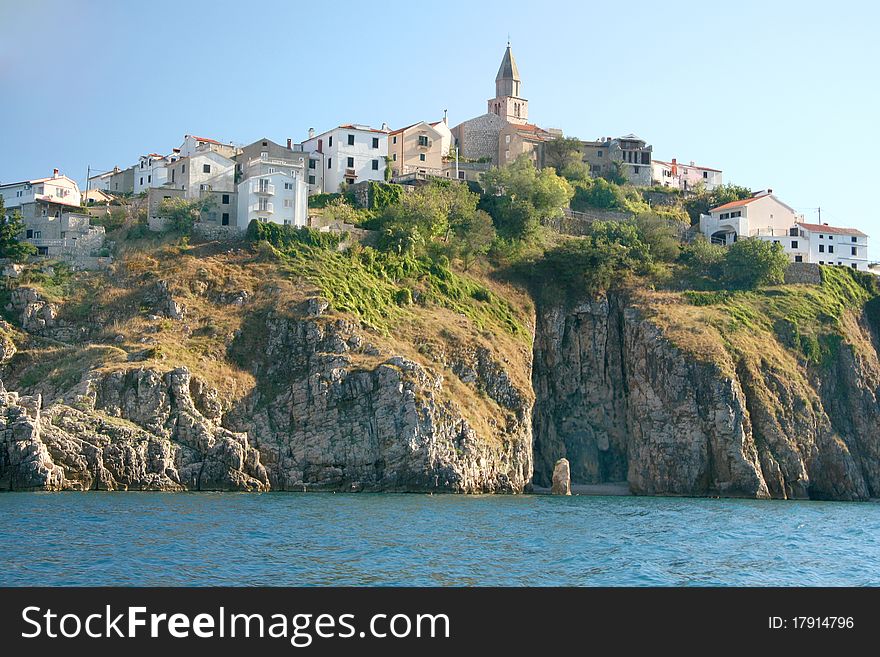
54,173
289,143
769,191
674,162
385,127
311,132
692,163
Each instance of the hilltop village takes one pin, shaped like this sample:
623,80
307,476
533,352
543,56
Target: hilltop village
288,183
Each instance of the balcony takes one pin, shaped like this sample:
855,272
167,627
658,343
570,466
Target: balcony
351,173
272,161
264,208
268,190
424,144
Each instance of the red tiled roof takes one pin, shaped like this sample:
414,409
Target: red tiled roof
206,140
399,130
737,204
831,230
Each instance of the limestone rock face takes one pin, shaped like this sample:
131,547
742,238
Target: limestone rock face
561,478
622,402
331,411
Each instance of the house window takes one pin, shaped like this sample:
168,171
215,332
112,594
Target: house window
853,250
330,141
794,244
311,180
329,162
288,203
821,262
798,258
225,199
635,169
421,157
149,179
830,249
394,157
206,168
172,175
461,175
853,239
142,180
375,142
854,266
506,140
29,234
423,140
351,140
394,140
313,164
598,153
349,162
821,248
821,237
288,185
705,174
375,165
224,220
38,234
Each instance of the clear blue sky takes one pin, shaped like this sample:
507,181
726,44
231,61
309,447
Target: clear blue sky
777,94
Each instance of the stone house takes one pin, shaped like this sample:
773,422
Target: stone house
53,222
630,152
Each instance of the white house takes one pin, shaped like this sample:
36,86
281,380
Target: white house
280,197
192,145
762,215
351,153
151,170
273,184
56,190
203,171
765,217
684,176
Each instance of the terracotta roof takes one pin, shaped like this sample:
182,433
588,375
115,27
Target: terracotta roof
399,130
831,230
205,139
737,204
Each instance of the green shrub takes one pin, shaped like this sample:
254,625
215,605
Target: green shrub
403,297
284,238
750,263
321,200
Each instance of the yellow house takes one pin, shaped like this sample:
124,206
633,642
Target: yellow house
418,150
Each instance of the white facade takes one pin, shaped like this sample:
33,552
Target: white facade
205,171
280,197
151,171
822,244
758,216
192,145
351,154
57,189
684,176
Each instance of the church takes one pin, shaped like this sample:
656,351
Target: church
503,133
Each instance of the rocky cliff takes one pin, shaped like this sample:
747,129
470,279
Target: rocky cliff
630,388
317,402
217,372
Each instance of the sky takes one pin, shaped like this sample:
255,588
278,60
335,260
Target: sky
777,94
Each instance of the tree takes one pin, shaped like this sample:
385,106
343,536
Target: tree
752,262
180,214
11,227
703,201
519,196
472,235
339,211
615,174
562,152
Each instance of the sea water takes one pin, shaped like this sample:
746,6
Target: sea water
290,539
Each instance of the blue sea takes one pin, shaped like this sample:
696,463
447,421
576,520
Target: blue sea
290,539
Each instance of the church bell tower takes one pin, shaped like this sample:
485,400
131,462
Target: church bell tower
507,102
